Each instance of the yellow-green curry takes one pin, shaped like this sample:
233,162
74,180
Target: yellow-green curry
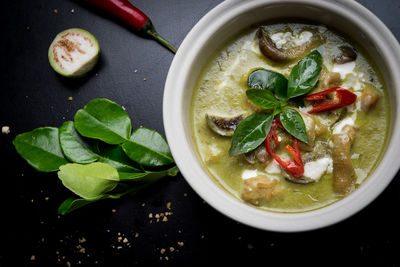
290,117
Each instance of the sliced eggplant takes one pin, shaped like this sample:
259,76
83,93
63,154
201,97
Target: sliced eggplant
321,150
269,49
224,126
251,157
260,154
73,52
346,54
301,180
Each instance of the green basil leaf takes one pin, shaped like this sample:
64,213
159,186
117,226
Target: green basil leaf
262,98
268,80
294,124
89,181
297,101
250,133
105,120
147,147
74,147
277,111
304,75
41,149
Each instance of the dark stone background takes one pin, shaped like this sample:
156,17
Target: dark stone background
33,95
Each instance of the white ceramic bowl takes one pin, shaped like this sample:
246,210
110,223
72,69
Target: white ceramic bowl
225,21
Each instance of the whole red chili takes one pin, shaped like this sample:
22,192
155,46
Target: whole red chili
343,97
295,166
133,16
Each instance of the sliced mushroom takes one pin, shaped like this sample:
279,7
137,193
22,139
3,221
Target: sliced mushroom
260,154
269,49
346,54
369,97
224,126
260,188
343,172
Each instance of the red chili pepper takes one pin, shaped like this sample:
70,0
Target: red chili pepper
295,166
133,16
343,97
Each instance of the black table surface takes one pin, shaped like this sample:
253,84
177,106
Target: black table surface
33,95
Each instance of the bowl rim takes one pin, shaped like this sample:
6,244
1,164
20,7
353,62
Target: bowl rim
201,182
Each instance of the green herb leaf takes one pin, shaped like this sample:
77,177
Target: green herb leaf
304,75
148,147
74,147
250,133
73,203
116,157
268,80
78,151
294,124
89,181
105,120
41,149
262,98
297,101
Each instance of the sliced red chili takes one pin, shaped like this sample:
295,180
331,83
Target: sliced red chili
343,97
295,166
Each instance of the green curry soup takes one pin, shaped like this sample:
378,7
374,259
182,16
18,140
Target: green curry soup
344,142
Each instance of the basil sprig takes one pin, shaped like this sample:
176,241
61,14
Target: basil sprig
97,156
250,133
272,91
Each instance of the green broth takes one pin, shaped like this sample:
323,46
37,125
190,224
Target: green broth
221,88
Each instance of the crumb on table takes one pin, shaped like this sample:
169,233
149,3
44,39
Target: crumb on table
5,129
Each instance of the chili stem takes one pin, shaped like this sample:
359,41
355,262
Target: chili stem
152,32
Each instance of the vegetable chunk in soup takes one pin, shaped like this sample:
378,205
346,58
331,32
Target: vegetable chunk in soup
290,117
